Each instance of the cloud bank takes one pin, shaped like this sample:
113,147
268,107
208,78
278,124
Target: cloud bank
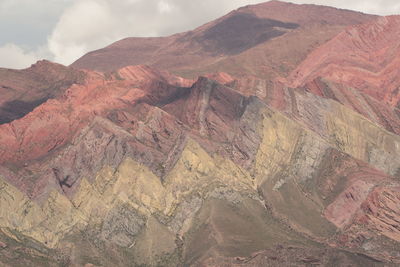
70,28
13,56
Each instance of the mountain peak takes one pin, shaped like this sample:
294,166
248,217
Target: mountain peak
258,28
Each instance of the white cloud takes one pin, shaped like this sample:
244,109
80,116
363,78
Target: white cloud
13,56
81,27
164,7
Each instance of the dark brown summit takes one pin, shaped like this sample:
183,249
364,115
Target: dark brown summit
265,40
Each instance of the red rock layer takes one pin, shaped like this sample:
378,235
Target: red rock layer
365,57
137,112
55,122
23,90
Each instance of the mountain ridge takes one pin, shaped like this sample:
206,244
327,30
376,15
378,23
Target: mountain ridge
186,49
138,166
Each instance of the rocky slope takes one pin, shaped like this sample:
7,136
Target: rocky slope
200,161
364,57
269,40
139,167
23,90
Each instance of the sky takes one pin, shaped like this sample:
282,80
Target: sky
64,30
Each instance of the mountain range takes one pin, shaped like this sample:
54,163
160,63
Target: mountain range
268,137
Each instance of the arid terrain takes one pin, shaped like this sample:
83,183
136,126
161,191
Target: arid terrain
268,137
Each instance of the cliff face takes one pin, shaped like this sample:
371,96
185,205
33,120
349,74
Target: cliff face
141,167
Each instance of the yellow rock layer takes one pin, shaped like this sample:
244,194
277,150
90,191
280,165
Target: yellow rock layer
195,173
353,134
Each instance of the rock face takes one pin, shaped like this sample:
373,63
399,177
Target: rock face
23,90
364,57
140,167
